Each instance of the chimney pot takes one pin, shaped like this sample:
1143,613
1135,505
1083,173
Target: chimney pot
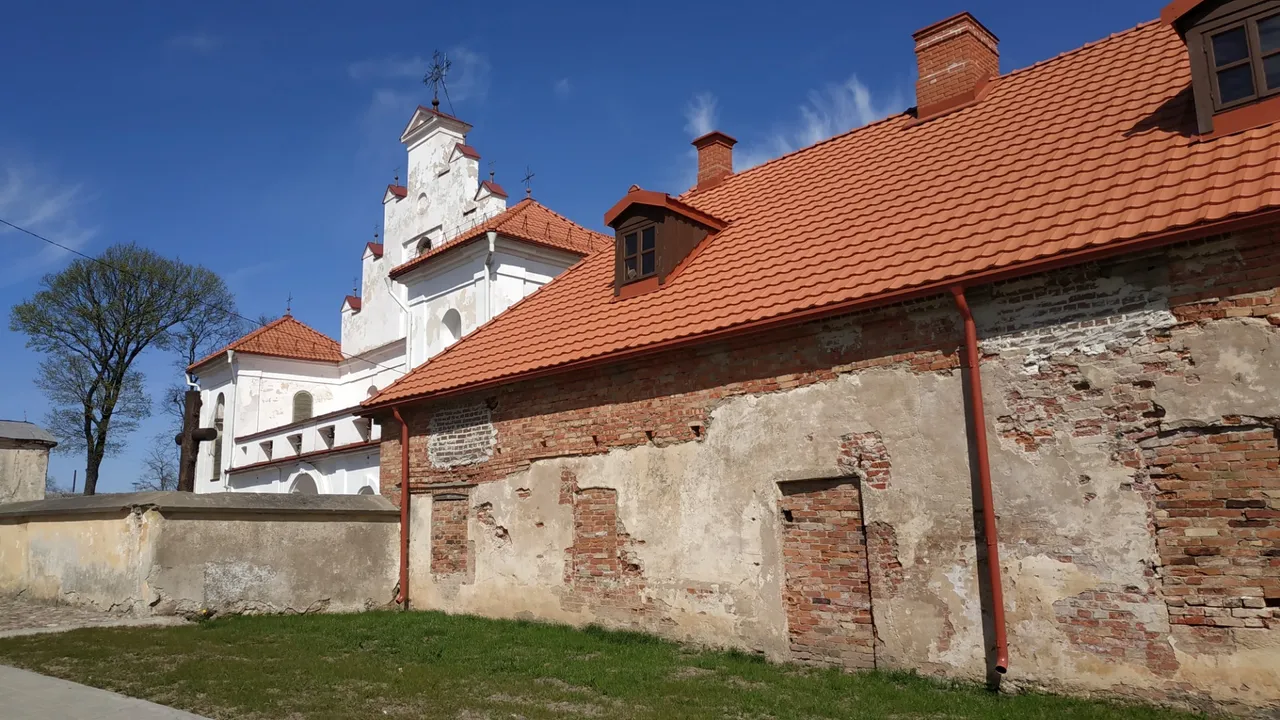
715,158
955,58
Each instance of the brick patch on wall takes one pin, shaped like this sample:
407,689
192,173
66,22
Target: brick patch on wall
864,456
1119,624
449,534
1218,523
601,570
827,594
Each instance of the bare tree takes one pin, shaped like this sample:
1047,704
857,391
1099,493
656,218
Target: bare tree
160,467
92,320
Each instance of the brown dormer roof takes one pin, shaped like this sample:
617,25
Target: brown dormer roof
398,190
494,188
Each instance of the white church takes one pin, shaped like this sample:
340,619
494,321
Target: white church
284,397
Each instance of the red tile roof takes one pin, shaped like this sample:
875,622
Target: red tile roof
468,151
286,338
353,301
527,220
494,188
398,190
375,248
1088,151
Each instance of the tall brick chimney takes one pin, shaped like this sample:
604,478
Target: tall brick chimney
715,158
956,57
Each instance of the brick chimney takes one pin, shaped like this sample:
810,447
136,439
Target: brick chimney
715,158
956,57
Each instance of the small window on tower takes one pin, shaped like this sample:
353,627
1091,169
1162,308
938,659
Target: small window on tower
639,253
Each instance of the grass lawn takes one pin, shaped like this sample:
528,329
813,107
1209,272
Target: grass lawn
430,665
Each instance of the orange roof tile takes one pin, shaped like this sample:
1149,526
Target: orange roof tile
493,188
527,220
398,190
286,338
1088,151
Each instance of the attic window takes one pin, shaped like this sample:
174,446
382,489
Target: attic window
1235,63
639,253
1245,60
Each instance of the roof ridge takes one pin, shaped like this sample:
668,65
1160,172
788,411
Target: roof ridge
567,219
692,192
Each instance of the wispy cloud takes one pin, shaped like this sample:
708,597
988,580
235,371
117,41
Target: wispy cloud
829,111
466,81
197,42
826,112
700,115
32,199
562,88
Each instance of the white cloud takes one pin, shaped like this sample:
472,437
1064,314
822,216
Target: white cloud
34,200
197,42
469,77
832,110
700,115
562,88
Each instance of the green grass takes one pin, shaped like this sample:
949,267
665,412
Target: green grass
430,665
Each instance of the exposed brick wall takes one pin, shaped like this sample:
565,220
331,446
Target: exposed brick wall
601,570
1218,523
669,398
1119,313
449,554
1119,624
827,593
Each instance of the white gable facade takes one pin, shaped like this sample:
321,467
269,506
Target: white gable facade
290,425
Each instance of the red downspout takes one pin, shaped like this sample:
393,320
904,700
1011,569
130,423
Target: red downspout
979,422
403,597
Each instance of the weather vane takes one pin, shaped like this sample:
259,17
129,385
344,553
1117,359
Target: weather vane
490,171
528,181
288,305
435,79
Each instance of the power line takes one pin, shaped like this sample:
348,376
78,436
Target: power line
123,271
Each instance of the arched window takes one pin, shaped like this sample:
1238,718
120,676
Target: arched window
301,406
366,490
219,410
452,326
424,245
373,390
304,484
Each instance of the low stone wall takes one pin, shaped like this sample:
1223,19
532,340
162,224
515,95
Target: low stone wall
164,553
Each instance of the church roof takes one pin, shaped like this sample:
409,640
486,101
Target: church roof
1092,152
527,220
285,338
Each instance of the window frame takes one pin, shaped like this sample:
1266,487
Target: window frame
311,406
1248,20
638,230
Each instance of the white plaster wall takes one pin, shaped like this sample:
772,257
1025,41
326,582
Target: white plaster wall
381,318
344,474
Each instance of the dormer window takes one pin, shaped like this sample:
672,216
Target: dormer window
639,252
1245,58
654,234
1234,48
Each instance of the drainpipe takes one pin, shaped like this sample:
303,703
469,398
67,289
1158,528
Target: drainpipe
492,236
403,597
978,421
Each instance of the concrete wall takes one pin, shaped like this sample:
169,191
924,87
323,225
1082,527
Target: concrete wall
23,468
1132,411
177,553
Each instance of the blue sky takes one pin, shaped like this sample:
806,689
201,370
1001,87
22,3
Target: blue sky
256,138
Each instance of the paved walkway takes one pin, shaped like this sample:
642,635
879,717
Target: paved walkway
28,695
21,617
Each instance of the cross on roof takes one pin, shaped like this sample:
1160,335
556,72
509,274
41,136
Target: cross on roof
528,181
